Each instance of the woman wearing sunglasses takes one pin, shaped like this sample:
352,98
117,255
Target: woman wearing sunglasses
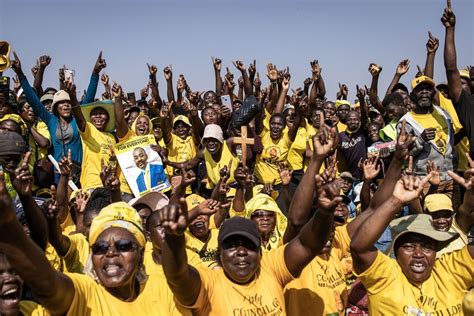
115,282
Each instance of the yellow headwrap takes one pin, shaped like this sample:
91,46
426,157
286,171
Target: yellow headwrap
118,214
342,102
264,202
17,119
150,124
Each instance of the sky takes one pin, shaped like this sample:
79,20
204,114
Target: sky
344,35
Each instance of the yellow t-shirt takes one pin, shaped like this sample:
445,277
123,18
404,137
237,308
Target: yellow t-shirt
262,296
434,120
152,267
390,292
181,150
91,298
96,145
32,308
341,127
213,167
274,152
321,288
53,258
463,146
297,149
76,257
207,251
37,151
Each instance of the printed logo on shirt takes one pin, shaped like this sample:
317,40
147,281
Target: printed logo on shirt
351,143
415,311
258,308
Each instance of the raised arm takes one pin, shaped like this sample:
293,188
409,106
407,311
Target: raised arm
285,86
313,236
165,122
43,62
31,96
183,280
70,88
272,74
247,83
465,213
168,71
431,48
402,69
154,84
364,112
452,73
302,202
375,71
371,169
62,197
217,63
53,289
362,244
94,81
121,123
60,242
22,182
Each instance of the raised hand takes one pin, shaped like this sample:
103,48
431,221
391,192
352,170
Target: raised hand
152,69
105,79
144,92
315,69
240,82
16,83
174,218
285,174
242,175
44,61
7,210
217,63
328,194
99,64
253,68
168,71
117,90
65,164
285,84
432,44
16,65
343,90
405,143
239,65
403,67
361,93
325,139
409,187
208,207
371,168
165,110
272,72
70,88
109,174
22,179
228,75
307,82
468,181
257,83
34,70
433,170
420,72
375,69
51,207
268,188
448,19
81,201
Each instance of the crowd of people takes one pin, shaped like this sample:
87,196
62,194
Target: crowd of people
260,201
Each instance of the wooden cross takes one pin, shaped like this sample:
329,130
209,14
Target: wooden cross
244,141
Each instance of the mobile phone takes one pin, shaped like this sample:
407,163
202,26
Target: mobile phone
131,97
226,101
69,75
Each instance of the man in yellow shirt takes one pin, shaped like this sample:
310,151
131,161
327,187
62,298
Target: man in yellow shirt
247,283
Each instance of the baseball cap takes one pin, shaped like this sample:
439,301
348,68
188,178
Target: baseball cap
346,174
239,226
183,119
421,79
418,224
399,86
154,200
47,97
438,202
213,131
464,73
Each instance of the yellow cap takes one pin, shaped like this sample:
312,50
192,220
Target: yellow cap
183,119
194,200
118,214
417,81
437,202
342,102
464,73
17,119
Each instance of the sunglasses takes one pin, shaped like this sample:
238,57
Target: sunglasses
102,247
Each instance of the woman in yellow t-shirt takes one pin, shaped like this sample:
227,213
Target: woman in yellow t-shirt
276,142
116,282
248,282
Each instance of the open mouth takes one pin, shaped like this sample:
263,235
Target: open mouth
199,225
242,264
112,269
11,295
418,267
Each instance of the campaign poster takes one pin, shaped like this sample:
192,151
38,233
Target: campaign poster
141,165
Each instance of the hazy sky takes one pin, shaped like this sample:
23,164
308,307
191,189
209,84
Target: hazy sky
344,35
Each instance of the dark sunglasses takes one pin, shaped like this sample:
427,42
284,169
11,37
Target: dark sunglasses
102,247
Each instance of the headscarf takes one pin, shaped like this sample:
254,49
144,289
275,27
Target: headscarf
150,124
264,202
